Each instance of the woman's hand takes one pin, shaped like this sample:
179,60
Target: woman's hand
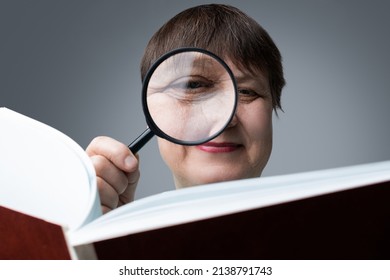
116,169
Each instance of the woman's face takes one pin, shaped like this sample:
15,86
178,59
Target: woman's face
241,151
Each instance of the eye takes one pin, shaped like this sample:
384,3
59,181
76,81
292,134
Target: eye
247,95
192,84
246,92
191,88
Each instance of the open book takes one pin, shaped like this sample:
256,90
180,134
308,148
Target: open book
49,203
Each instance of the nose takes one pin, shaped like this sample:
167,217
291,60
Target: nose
234,121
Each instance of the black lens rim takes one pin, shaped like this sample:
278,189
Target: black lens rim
149,120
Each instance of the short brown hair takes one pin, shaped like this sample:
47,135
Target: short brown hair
225,31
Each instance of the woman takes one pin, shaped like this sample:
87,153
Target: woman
243,149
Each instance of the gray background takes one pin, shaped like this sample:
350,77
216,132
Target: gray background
74,65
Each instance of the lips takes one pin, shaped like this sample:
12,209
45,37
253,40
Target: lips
216,147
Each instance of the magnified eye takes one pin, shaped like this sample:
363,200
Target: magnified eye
192,84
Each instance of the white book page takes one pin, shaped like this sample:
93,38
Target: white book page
44,173
181,206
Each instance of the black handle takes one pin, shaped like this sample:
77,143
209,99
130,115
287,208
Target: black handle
141,140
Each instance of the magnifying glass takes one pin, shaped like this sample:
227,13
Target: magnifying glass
189,97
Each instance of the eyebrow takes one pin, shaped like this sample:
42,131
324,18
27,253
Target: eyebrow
243,78
258,81
206,62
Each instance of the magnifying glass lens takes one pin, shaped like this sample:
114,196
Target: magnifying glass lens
190,97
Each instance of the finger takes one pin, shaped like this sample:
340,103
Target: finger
118,153
105,209
106,170
129,194
109,199
133,177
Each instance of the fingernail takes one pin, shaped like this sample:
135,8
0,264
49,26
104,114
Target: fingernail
129,161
